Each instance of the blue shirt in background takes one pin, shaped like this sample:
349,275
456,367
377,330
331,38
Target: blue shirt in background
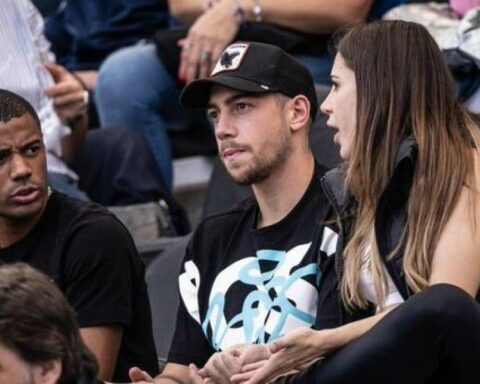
84,32
381,6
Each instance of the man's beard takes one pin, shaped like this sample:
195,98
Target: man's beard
262,165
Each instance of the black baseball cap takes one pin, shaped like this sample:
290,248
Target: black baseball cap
254,68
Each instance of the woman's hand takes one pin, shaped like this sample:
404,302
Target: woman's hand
206,40
297,350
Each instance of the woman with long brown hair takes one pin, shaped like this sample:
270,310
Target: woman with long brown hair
407,203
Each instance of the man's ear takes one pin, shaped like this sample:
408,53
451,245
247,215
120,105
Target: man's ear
48,372
299,112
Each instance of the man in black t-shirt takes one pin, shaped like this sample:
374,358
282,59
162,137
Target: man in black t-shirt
81,246
253,273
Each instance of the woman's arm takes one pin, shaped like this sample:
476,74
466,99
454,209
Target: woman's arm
186,11
456,259
314,16
216,23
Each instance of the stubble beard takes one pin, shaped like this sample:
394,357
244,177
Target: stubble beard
263,164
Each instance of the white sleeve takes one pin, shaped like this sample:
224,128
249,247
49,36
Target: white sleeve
37,29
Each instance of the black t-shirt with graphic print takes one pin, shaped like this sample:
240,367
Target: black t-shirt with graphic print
242,285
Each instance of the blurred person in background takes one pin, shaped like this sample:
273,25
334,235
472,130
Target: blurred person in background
40,342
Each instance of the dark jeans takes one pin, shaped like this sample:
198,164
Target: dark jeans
65,184
434,337
116,167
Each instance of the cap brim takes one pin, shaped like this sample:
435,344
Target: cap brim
197,93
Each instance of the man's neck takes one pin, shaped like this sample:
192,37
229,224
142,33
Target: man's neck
281,192
13,231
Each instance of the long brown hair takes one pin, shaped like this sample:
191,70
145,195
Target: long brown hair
404,88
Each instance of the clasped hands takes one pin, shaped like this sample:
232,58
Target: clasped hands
255,364
297,350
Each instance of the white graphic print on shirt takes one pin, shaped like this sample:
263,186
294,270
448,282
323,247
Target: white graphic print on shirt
281,298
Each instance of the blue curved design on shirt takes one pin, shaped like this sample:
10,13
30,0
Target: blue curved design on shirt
252,275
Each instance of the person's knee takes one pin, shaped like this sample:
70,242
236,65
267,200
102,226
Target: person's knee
133,78
448,294
114,74
446,302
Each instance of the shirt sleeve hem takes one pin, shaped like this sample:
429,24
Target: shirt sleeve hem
84,322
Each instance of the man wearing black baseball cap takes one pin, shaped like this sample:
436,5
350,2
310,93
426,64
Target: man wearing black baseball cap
254,68
251,274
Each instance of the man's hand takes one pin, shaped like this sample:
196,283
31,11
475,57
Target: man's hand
195,377
70,99
223,365
297,350
206,40
139,376
172,373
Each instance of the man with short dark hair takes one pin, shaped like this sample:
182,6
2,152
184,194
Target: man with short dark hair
81,246
252,274
39,338
110,167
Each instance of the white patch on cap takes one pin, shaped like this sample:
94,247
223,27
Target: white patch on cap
231,58
266,87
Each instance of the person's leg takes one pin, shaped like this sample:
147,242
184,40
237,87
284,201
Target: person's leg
135,90
66,185
433,337
116,167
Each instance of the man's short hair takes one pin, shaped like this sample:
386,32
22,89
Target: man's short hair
38,324
14,106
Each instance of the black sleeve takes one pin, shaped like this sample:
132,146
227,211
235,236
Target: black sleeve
102,271
189,343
